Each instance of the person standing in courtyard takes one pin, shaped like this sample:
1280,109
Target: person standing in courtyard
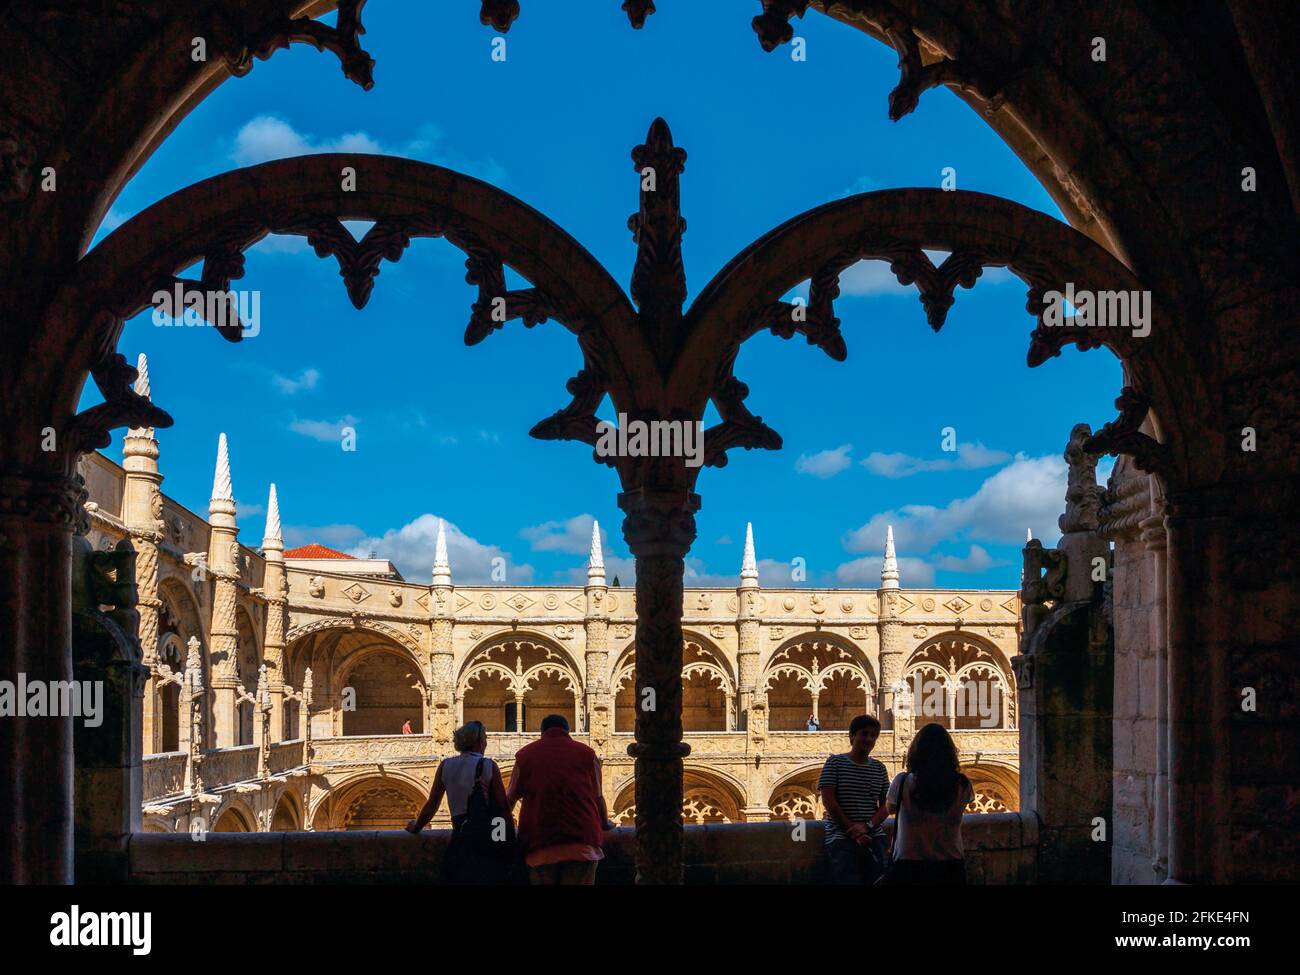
929,799
563,821
853,787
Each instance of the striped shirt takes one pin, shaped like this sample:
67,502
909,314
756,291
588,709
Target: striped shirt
859,789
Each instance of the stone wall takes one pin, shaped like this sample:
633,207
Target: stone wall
999,850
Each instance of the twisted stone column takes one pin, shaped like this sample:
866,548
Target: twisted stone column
659,528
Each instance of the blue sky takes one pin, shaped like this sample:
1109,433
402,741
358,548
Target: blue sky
442,429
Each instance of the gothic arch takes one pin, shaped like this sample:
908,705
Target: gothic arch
997,787
528,668
817,673
234,816
378,627
287,815
709,697
365,799
709,795
795,795
977,675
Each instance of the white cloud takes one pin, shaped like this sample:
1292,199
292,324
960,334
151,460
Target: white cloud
870,278
307,379
970,456
572,535
267,137
247,510
976,560
323,430
1029,492
866,571
411,548
825,463
338,536
771,572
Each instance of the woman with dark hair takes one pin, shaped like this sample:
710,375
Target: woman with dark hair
928,799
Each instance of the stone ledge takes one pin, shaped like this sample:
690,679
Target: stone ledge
1000,848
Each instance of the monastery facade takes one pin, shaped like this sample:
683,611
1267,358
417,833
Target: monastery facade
280,681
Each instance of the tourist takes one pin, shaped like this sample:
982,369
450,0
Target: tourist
563,822
406,728
853,788
482,838
813,724
929,799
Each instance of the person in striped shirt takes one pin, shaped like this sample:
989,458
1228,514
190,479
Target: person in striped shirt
853,786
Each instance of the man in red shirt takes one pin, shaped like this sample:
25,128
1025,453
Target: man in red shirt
563,822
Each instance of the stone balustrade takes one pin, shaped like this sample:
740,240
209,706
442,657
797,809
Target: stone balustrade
164,775
1000,849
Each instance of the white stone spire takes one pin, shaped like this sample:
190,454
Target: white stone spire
141,389
889,568
272,537
1029,535
441,567
748,563
596,561
223,495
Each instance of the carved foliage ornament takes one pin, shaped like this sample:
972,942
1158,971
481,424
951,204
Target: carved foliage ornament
343,40
500,14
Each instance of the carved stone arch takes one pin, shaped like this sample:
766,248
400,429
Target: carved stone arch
379,627
552,648
898,226
234,815
709,795
178,600
156,824
215,221
287,814
519,670
795,796
814,673
997,787
366,800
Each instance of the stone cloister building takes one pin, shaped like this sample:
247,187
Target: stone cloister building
279,681
1169,136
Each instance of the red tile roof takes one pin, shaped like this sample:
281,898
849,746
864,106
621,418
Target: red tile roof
315,551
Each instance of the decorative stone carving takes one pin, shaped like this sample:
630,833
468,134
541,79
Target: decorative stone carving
316,587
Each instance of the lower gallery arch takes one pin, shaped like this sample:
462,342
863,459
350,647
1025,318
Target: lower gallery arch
236,818
370,802
287,816
797,797
997,788
706,798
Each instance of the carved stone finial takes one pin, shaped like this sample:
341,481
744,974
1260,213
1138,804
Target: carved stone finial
659,279
272,539
441,566
222,488
141,388
889,567
1082,493
596,561
748,561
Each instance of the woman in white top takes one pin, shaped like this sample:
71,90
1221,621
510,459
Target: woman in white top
929,799
457,778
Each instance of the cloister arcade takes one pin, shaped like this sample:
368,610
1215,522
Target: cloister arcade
1147,160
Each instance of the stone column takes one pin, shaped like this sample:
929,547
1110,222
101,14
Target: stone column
1200,628
38,516
659,527
223,565
108,744
142,515
748,623
275,587
893,642
599,706
1153,537
442,686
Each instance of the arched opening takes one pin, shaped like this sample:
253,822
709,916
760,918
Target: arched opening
380,693
286,818
370,803
797,797
234,820
511,685
707,799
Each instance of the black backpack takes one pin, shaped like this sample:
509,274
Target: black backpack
483,818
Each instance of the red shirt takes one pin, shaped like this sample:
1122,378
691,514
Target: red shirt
555,777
